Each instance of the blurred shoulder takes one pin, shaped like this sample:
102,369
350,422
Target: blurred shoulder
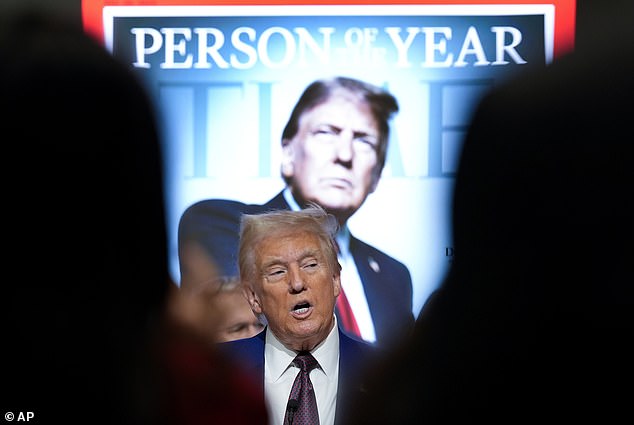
216,207
248,349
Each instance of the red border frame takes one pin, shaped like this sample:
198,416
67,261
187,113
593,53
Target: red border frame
565,12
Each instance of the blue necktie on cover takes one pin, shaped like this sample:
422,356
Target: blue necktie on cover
302,406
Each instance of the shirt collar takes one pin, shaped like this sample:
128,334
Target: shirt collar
343,240
278,358
288,197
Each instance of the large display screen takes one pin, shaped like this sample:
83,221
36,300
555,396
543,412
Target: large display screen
225,76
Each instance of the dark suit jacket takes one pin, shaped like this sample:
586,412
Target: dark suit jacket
215,224
355,357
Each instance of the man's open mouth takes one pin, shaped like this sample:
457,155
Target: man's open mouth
301,308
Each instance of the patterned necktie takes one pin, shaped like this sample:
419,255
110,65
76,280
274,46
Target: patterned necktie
302,404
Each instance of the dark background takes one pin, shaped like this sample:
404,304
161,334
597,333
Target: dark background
69,9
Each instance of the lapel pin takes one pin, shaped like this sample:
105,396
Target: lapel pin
374,265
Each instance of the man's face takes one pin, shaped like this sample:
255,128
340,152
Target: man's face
235,319
295,289
332,159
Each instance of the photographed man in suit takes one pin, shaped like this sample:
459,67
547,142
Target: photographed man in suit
288,264
333,152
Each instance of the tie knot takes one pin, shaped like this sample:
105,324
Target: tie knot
305,361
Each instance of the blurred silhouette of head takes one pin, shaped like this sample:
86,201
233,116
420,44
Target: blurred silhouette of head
84,221
539,298
536,315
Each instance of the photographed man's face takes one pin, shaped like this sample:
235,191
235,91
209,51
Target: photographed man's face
235,319
295,289
333,157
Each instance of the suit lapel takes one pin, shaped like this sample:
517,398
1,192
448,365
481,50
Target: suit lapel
369,273
277,203
351,384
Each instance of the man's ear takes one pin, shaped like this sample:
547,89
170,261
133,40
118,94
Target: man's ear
252,299
336,280
287,158
376,176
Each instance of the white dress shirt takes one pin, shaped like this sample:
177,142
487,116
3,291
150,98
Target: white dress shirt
350,280
280,373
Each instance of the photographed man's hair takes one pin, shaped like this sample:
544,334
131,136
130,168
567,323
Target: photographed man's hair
256,227
383,105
